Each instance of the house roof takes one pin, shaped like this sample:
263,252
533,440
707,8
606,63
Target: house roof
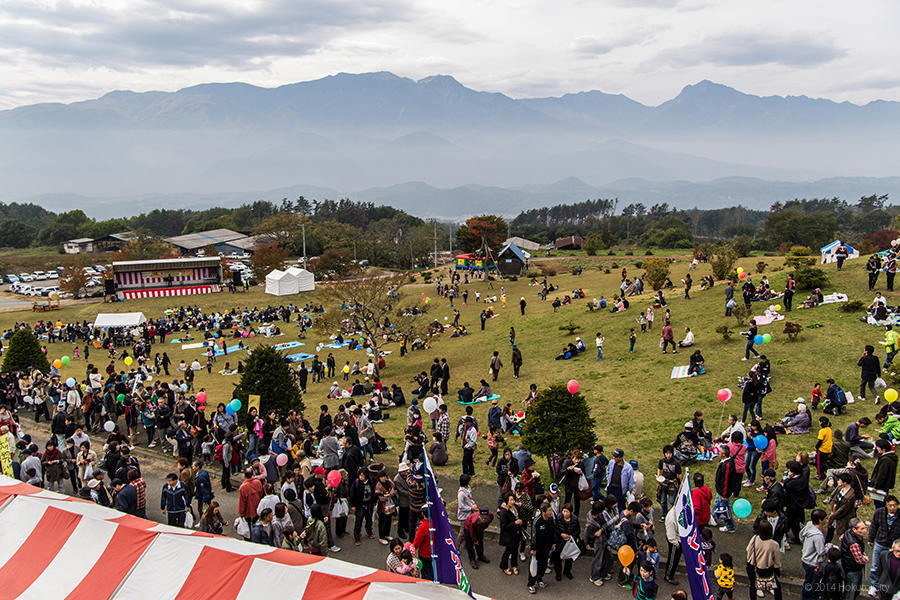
523,243
165,263
510,247
80,241
200,239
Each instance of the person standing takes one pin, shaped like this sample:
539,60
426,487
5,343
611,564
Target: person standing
729,298
813,537
673,557
445,377
522,305
174,500
841,254
249,495
469,444
764,559
796,497
873,266
870,369
510,531
789,289
599,342
751,340
473,535
884,530
891,343
890,271
483,319
668,337
884,475
843,506
516,361
853,557
543,542
688,282
362,500
496,363
619,477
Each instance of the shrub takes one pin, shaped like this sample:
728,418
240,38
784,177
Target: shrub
558,423
24,352
606,271
809,278
629,253
761,266
532,274
742,245
657,271
724,331
722,262
795,262
571,327
638,264
740,313
615,265
800,251
574,270
648,252
611,253
267,375
513,278
551,272
792,330
852,306
594,244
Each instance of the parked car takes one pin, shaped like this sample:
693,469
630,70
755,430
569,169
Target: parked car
27,277
11,278
100,268
46,291
52,275
39,276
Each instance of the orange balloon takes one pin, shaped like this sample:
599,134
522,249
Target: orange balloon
626,555
57,363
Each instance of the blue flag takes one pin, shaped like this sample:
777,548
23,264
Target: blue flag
694,562
447,562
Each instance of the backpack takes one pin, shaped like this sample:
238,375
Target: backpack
810,498
842,397
616,537
219,453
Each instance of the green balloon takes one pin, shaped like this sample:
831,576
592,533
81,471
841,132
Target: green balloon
121,397
65,360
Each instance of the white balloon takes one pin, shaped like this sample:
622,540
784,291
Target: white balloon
430,404
109,426
28,400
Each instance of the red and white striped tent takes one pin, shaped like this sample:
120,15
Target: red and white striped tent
55,546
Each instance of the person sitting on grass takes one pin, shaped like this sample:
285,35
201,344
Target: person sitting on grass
697,364
688,340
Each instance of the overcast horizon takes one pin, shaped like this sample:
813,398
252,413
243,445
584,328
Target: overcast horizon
72,50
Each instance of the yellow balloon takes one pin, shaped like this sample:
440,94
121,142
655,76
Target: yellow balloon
777,307
890,395
128,360
740,270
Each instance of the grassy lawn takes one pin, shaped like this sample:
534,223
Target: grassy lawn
636,405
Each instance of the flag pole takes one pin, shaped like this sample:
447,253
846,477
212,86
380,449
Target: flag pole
430,519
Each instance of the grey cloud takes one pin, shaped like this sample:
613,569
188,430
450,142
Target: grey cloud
197,33
746,49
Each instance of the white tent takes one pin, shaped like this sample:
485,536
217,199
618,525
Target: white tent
281,283
107,320
828,251
306,281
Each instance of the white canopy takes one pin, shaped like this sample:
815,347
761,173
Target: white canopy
107,320
306,281
281,283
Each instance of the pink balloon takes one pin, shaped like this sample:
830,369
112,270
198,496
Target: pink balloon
334,478
281,460
201,396
724,395
573,386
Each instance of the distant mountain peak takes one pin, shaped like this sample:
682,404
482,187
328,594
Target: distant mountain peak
708,89
441,80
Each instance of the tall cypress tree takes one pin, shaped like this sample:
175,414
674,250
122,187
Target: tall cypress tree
268,375
24,352
558,423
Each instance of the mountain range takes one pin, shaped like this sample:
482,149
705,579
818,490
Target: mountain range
371,132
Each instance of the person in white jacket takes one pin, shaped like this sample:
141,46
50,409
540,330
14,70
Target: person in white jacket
688,340
673,556
73,404
465,502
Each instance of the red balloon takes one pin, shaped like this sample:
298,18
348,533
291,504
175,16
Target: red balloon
334,478
724,395
573,386
281,460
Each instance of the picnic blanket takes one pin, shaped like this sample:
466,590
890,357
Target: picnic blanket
834,298
298,357
231,350
336,345
184,340
196,345
232,372
893,319
481,399
768,319
288,345
682,372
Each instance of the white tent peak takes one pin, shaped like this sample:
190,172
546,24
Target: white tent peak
130,319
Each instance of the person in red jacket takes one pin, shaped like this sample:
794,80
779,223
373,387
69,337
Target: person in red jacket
701,498
473,534
249,495
422,543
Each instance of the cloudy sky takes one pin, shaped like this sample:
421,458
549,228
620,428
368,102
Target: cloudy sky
65,50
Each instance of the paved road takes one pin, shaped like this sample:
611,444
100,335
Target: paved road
488,580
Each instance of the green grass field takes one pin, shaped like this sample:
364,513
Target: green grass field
636,406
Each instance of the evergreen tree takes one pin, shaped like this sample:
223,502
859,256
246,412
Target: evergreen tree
24,352
558,423
268,376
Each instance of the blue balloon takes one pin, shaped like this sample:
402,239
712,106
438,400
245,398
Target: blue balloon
761,442
758,339
229,409
71,382
742,508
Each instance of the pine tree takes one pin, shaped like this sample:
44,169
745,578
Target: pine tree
558,423
24,352
268,375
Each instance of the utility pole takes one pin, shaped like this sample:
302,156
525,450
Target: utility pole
435,244
303,229
451,239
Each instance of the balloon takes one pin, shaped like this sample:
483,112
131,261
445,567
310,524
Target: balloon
229,409
767,337
109,426
724,395
252,334
201,396
71,382
742,508
28,400
761,442
236,404
758,339
771,307
184,387
59,323
430,404
573,386
742,276
281,460
740,270
245,334
57,363
521,414
777,307
65,360
890,395
128,360
626,555
120,398
334,478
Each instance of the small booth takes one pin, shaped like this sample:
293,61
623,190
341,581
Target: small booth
113,320
828,252
280,283
511,260
306,281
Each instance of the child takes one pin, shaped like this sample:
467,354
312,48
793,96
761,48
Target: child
76,353
725,577
650,553
823,446
816,395
632,338
707,544
206,448
643,587
832,575
494,439
643,322
407,566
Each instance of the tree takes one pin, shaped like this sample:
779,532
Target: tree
593,244
813,229
656,272
334,261
144,246
265,258
15,233
24,353
722,259
478,230
267,375
74,279
371,300
558,423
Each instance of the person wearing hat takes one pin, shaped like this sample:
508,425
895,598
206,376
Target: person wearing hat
401,487
469,445
619,477
522,305
473,535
